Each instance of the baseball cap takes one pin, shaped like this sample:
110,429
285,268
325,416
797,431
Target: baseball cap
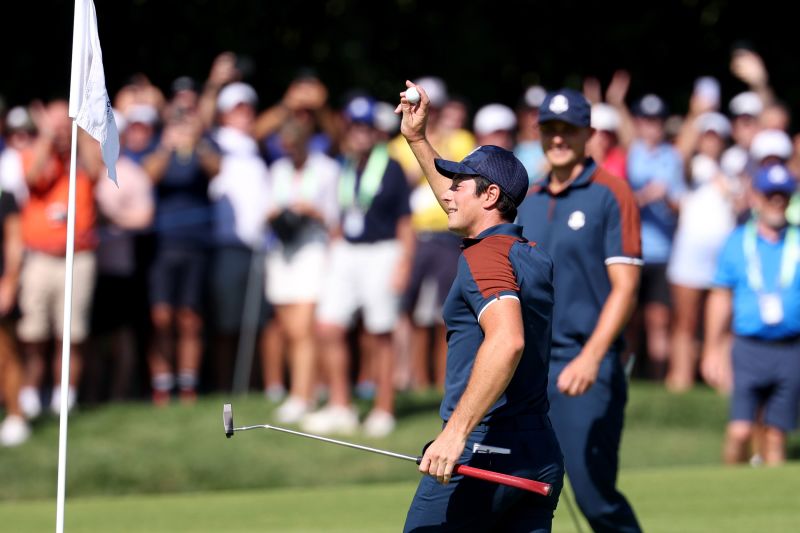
385,118
18,119
141,114
234,94
496,164
566,105
494,117
605,117
435,88
361,110
533,97
650,106
714,122
771,143
774,179
183,83
746,103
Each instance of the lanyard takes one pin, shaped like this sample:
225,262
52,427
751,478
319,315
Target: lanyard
283,183
789,257
370,179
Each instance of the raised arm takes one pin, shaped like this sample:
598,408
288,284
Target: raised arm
412,126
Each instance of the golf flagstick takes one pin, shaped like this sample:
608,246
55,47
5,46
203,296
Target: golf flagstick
470,471
89,108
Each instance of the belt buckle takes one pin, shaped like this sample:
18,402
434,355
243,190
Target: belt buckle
484,448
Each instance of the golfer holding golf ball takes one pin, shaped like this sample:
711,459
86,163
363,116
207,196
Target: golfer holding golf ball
498,316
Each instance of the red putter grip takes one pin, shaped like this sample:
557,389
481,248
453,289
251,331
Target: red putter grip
504,479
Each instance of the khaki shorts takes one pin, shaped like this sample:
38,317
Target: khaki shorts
41,298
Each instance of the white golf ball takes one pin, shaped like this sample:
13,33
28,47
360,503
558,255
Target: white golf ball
412,95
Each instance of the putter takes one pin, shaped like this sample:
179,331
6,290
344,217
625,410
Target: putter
487,475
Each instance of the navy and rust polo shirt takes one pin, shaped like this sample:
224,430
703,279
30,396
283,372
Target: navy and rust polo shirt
500,263
591,224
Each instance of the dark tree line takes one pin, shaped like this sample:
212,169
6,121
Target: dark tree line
487,51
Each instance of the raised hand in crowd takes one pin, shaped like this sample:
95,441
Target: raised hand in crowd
223,71
749,67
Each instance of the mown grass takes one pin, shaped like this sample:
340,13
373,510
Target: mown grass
696,499
128,449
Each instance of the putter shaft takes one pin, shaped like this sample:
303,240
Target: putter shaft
332,441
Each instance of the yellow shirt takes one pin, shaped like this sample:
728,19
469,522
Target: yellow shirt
427,214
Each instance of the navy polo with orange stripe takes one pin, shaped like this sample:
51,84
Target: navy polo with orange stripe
593,222
500,263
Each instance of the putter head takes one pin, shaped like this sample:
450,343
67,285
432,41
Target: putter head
227,419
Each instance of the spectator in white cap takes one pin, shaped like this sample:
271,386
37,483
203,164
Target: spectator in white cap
771,146
239,195
19,135
529,145
138,137
707,215
127,212
745,109
604,146
495,124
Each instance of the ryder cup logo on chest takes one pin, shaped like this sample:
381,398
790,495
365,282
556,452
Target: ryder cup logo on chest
576,220
559,104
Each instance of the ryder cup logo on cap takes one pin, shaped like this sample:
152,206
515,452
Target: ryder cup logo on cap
559,104
774,179
650,106
496,164
566,105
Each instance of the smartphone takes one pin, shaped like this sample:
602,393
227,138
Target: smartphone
707,88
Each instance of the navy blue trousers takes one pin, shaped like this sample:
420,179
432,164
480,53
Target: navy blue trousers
589,428
467,504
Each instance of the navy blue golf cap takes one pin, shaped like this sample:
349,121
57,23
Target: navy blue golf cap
566,105
361,110
650,106
774,179
496,164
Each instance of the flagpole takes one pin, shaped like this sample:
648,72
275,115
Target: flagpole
66,336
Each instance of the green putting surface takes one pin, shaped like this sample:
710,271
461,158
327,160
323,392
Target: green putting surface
686,499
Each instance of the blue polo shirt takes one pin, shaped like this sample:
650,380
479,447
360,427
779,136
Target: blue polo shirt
591,224
732,274
661,164
499,263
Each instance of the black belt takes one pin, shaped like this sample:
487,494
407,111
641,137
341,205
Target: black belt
794,339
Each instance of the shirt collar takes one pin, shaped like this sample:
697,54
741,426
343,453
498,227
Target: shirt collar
501,229
583,179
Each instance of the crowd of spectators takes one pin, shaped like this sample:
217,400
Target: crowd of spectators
304,232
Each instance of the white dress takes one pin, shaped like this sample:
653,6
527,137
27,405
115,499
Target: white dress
705,221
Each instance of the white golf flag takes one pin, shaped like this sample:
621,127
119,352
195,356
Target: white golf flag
88,99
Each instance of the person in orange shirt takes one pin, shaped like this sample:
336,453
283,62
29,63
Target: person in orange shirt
44,234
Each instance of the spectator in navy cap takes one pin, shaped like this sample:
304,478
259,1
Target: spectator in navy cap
368,271
588,221
757,295
655,172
